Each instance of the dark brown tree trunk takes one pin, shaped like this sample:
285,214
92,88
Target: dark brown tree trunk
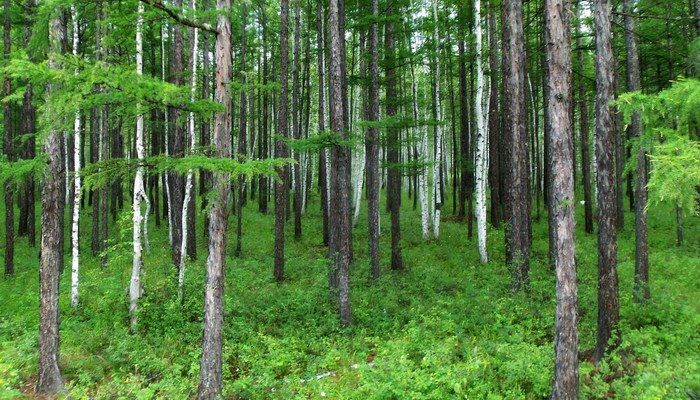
281,148
205,177
393,147
27,200
7,148
210,372
242,136
372,146
340,157
620,154
517,196
53,203
463,130
296,118
494,127
177,144
562,222
634,129
263,199
608,300
322,162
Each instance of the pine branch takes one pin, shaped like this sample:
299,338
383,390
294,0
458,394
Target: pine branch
179,18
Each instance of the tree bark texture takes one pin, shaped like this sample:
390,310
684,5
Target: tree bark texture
372,144
280,146
177,144
517,196
495,161
608,300
7,148
559,82
210,372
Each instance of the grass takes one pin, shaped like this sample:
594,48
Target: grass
447,327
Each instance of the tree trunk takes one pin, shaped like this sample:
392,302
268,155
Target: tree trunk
210,371
177,145
280,146
437,165
264,185
608,300
50,381
77,190
517,202
495,161
481,136
634,130
372,144
7,148
394,171
322,162
463,129
585,142
242,135
295,119
562,222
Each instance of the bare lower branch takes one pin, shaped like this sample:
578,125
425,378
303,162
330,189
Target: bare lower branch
179,18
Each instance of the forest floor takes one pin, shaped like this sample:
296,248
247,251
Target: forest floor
447,327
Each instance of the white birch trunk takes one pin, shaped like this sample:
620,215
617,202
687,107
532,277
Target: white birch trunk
135,290
437,183
423,189
481,135
359,162
167,134
75,238
188,185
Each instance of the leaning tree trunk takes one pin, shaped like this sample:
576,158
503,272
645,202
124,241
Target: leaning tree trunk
641,263
75,238
210,371
481,137
50,381
608,300
559,89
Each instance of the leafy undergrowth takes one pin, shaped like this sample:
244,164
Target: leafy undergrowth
447,327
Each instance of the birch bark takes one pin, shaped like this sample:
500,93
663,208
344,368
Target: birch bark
75,238
481,136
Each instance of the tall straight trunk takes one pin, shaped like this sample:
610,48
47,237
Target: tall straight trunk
75,238
7,148
168,203
177,144
620,154
205,177
339,182
50,381
264,185
559,88
634,130
26,226
188,211
242,135
584,127
394,171
494,140
481,136
210,371
517,201
463,129
280,146
322,162
372,144
296,118
135,287
608,298
437,165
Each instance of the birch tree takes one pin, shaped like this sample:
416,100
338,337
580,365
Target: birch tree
135,288
189,185
75,238
482,112
437,181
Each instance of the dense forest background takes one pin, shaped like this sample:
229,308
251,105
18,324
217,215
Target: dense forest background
377,198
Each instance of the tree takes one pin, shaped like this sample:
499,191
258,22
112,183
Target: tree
340,200
322,158
7,148
210,372
634,129
562,222
482,112
177,144
296,126
372,145
517,202
394,170
75,238
608,300
242,133
494,128
437,165
584,127
280,146
50,381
